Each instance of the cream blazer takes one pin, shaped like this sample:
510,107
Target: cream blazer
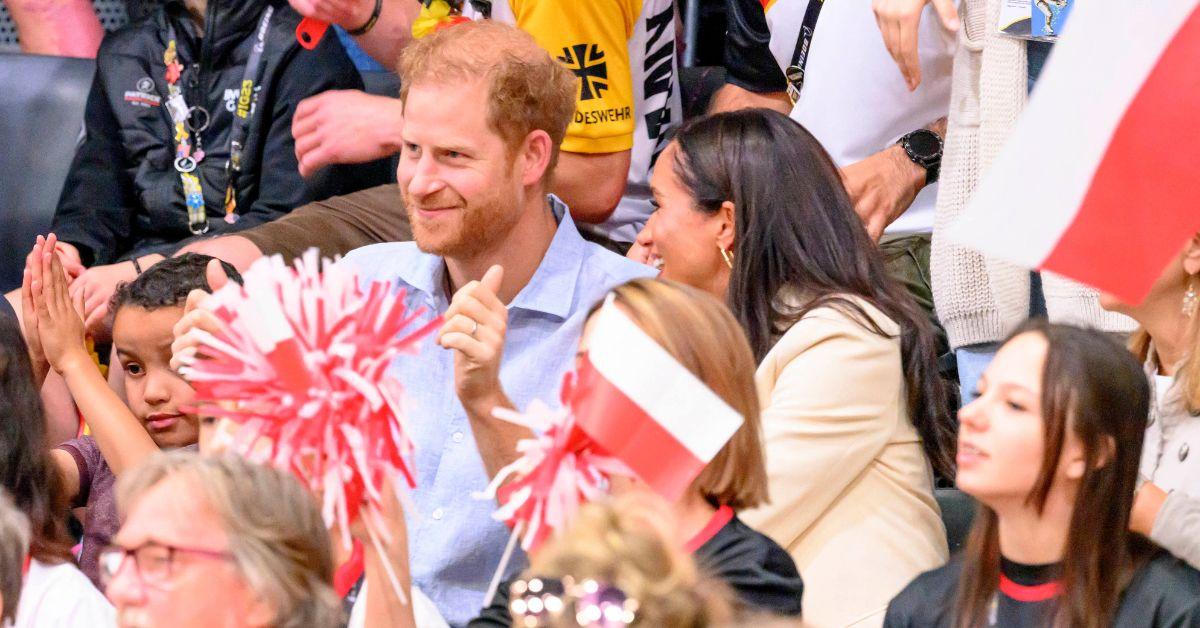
851,489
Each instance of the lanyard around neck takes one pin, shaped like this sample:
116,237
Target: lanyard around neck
185,125
795,71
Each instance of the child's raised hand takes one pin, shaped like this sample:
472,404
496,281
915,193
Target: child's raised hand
29,319
60,328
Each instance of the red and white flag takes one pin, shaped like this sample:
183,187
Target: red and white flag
1100,180
645,409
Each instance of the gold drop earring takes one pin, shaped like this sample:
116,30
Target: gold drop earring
728,257
1191,300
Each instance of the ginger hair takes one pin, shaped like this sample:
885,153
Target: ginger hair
527,89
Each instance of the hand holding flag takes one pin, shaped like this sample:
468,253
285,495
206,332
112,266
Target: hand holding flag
631,409
559,470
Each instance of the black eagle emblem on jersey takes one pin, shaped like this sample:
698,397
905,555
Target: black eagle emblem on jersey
587,62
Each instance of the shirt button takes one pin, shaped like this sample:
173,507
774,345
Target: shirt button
1183,452
437,514
457,436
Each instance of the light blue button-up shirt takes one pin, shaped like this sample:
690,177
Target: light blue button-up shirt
454,544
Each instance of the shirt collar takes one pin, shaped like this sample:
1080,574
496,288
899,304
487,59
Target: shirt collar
551,290
425,273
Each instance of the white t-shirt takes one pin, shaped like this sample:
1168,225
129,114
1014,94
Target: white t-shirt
625,51
854,99
60,596
425,613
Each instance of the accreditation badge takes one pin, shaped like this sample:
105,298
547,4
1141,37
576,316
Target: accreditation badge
1038,20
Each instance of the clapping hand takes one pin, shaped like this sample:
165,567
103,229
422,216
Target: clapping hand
475,327
54,322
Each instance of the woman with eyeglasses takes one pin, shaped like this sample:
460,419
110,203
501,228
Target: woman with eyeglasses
55,592
1050,449
218,541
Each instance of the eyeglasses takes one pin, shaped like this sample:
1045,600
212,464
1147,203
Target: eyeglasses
537,602
153,562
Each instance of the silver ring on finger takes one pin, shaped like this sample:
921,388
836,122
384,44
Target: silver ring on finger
474,328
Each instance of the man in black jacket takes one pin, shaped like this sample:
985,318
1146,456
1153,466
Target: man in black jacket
157,166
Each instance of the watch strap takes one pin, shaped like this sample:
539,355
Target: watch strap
933,172
931,164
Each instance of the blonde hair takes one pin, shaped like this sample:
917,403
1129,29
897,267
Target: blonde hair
1188,374
527,89
627,543
699,332
15,535
276,534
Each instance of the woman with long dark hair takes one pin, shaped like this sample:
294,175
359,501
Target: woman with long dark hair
1050,449
751,209
55,593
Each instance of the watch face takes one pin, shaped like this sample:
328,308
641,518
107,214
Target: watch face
924,144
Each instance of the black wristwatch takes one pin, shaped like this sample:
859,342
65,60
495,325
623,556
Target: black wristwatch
924,148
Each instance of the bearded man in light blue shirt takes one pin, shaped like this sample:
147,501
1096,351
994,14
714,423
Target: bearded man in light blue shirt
485,110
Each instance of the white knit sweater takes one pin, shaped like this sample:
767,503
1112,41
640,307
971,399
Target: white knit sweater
981,299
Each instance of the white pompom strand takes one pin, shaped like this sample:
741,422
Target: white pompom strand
301,364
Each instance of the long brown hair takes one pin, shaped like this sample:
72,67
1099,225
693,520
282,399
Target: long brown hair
27,471
673,314
1094,388
796,230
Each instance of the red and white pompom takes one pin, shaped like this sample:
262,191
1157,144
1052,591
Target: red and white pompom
559,470
301,365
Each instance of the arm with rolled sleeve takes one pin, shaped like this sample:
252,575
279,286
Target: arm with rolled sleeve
831,413
1177,527
99,199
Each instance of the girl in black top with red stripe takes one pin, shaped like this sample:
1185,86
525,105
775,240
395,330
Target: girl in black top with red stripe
1050,449
761,575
